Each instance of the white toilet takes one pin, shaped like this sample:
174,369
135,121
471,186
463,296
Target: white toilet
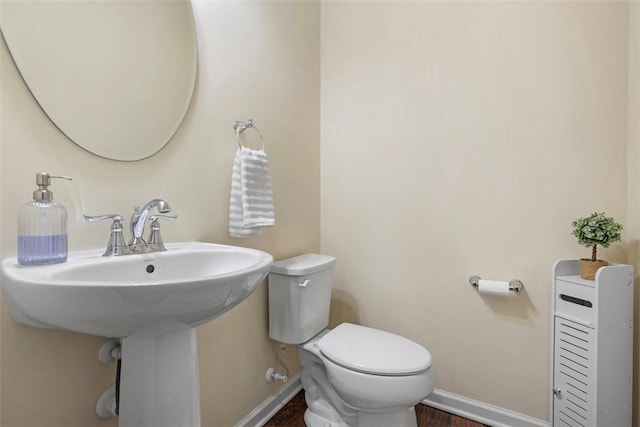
352,375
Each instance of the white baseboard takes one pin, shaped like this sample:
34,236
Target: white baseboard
439,399
267,409
480,412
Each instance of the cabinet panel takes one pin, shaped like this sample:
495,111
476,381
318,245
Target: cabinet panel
573,378
576,301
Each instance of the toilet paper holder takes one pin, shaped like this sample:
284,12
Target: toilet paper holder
515,285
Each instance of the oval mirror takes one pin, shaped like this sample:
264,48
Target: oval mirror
116,77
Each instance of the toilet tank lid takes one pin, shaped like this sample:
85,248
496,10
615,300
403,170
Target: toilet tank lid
374,351
303,264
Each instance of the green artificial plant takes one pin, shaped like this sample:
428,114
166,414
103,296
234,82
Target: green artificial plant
596,229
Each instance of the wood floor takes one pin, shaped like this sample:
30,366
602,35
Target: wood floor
292,415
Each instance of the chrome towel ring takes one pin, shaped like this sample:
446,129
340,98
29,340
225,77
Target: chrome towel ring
240,126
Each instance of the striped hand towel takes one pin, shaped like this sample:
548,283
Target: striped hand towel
251,204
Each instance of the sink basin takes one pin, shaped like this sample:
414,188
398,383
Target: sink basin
153,302
151,294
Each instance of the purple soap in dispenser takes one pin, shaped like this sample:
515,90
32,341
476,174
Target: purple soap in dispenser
42,227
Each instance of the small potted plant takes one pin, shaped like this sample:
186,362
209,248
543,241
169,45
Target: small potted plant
591,231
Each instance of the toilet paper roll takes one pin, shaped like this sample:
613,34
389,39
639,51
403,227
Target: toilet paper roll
493,287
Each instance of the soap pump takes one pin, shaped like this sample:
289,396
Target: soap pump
42,226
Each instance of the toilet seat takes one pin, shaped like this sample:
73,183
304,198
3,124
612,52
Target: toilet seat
372,351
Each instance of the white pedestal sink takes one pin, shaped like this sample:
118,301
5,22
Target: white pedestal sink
153,301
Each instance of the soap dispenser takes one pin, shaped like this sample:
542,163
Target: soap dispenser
42,226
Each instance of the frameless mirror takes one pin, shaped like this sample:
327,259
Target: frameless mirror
115,76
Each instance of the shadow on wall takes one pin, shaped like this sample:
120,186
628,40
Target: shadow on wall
621,253
343,309
519,307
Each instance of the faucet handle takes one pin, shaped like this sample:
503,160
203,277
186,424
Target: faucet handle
154,242
116,244
96,218
155,218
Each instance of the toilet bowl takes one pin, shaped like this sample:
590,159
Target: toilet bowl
352,375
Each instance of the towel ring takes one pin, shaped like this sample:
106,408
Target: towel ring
240,127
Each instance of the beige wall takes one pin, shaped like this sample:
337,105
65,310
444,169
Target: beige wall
633,190
257,59
462,138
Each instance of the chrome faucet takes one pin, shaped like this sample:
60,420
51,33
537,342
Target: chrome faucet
116,245
138,219
154,241
137,244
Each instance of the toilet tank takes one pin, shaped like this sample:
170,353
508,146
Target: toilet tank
299,297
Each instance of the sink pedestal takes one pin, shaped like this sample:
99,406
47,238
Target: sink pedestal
159,382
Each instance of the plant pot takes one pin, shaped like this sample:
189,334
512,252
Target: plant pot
588,268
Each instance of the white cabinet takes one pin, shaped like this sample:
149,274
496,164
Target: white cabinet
592,353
